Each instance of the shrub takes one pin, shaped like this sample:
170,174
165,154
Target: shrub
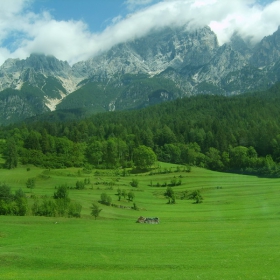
195,195
105,199
74,210
130,196
80,185
134,183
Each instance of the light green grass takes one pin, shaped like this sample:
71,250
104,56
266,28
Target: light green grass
233,234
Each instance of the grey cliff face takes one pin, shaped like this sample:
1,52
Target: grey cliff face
153,54
225,61
244,47
267,52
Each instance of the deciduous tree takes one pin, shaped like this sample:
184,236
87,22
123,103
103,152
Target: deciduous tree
169,194
95,210
144,157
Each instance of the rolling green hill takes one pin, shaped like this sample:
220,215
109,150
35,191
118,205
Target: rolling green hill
231,235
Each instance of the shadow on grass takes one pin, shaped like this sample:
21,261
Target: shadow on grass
139,171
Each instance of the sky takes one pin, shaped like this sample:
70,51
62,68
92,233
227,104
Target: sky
76,30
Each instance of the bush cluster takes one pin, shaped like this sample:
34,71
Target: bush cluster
12,204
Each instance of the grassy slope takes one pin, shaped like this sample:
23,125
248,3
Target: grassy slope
233,234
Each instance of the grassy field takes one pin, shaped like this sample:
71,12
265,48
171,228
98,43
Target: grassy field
233,234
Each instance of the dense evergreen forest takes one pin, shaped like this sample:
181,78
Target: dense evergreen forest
232,134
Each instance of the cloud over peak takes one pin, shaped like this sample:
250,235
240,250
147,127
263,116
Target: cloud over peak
23,32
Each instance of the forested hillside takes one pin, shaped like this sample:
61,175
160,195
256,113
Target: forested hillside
234,134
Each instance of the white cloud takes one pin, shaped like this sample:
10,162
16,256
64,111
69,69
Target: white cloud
65,40
4,54
23,32
249,19
9,12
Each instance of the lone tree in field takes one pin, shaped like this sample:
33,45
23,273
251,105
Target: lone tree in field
169,194
144,157
95,210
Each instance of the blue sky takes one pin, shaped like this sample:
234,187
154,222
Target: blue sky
75,30
96,13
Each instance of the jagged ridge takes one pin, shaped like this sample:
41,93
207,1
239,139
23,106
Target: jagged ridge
164,65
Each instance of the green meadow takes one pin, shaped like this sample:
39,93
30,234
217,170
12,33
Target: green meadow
233,234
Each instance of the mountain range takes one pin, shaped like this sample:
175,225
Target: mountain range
164,65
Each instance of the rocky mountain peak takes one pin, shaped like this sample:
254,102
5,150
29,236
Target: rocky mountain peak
170,47
165,64
34,70
47,65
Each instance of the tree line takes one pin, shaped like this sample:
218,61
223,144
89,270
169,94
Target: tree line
235,134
